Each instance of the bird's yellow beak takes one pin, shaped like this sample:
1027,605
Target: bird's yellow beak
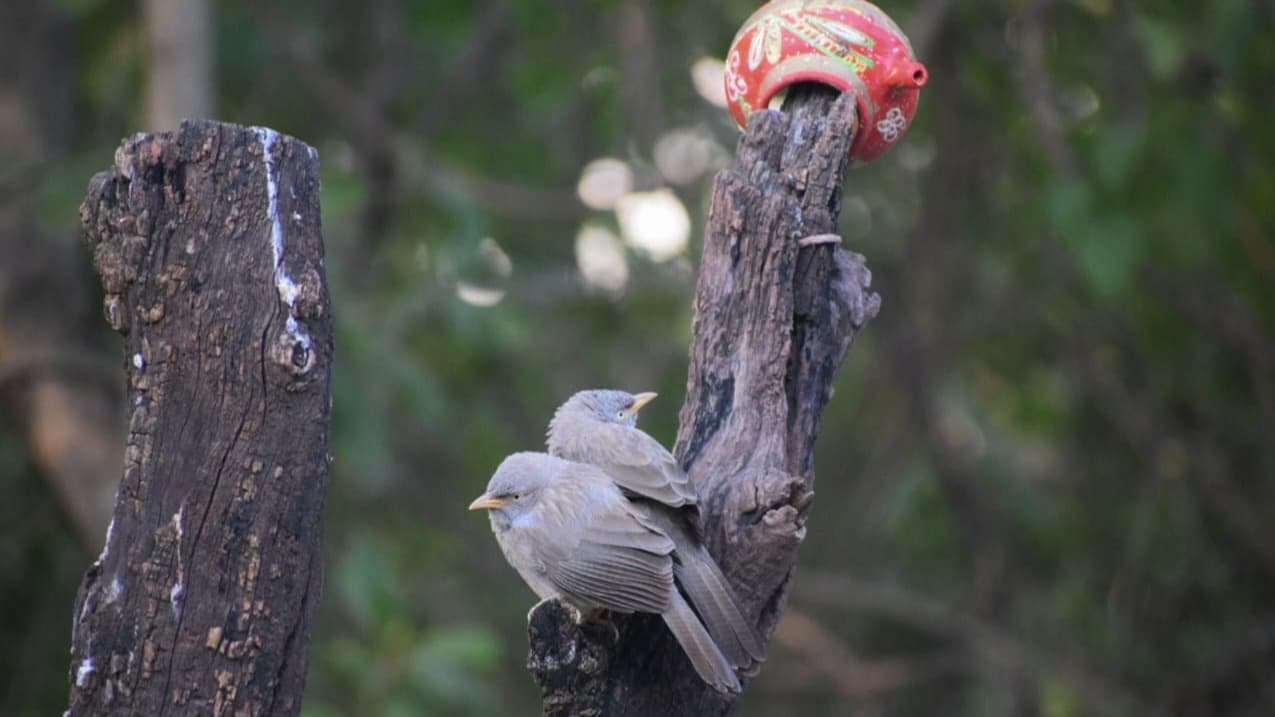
487,501
641,400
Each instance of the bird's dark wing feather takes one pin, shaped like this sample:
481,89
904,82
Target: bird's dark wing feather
619,565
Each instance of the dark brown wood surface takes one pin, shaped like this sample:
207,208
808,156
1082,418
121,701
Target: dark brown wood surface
208,246
773,324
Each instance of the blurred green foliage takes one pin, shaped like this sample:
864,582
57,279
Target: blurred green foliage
1059,428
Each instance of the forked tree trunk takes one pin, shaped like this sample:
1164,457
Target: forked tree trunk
773,323
208,246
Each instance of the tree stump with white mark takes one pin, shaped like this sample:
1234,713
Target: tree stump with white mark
208,246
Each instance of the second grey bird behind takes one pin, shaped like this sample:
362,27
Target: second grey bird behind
599,427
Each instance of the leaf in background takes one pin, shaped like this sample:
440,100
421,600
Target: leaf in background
1163,46
366,583
1108,251
1117,153
452,663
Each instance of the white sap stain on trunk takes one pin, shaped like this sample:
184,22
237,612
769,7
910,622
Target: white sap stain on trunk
283,282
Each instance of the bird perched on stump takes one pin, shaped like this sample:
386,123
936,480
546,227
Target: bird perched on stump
573,535
599,428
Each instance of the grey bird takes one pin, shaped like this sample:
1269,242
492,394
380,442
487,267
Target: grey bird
572,534
599,428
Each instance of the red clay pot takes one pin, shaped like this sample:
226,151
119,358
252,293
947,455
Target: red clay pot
848,44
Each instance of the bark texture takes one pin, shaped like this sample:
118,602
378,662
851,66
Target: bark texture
208,246
773,323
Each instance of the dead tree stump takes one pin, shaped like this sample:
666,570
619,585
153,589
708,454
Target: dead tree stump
208,246
773,324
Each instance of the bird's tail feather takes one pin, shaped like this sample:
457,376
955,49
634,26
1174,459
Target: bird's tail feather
709,662
714,600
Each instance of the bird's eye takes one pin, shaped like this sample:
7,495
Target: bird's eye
620,414
517,496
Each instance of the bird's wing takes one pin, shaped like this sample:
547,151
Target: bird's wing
639,464
619,564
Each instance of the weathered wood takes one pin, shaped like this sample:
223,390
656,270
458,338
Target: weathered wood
773,323
208,246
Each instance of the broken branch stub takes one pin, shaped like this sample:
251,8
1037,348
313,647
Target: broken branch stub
208,246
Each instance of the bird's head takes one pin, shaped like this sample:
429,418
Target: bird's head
516,487
609,406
